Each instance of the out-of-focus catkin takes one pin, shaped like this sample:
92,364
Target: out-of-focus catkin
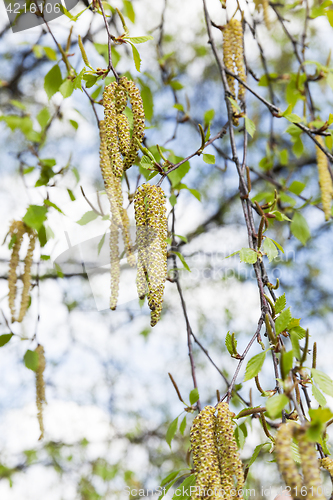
115,264
40,388
327,463
310,467
127,239
325,180
217,465
110,119
264,6
17,231
151,225
229,459
238,45
285,460
233,56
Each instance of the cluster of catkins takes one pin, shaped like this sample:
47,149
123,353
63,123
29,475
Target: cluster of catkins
118,151
40,388
217,465
17,231
152,228
233,57
310,482
325,180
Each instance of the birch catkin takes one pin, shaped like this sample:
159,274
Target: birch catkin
151,222
111,129
325,180
285,460
17,231
310,467
238,46
115,265
40,388
215,455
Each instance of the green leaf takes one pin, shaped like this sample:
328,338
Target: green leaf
5,338
319,396
210,159
282,321
52,81
176,85
146,162
318,418
129,11
296,187
45,257
183,492
87,217
71,194
256,453
248,255
295,343
177,175
50,53
31,360
293,118
183,238
136,57
170,477
287,359
250,126
139,39
300,229
280,303
100,244
179,107
183,261
35,216
194,396
58,269
228,343
182,426
209,116
43,117
173,200
235,104
172,429
239,437
276,404
323,381
270,249
66,88
254,365
50,204
147,100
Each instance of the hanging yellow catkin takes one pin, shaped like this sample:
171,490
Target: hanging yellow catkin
138,120
115,265
310,467
205,455
327,463
285,459
141,241
127,239
325,180
156,222
228,55
112,182
238,45
123,131
40,388
16,231
110,113
229,460
26,278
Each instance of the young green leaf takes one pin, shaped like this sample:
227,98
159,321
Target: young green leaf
270,249
182,426
194,396
256,453
228,343
183,492
172,429
282,321
100,244
183,261
52,81
300,229
210,159
319,396
31,360
35,216
248,255
250,126
323,381
254,365
87,217
280,303
5,338
276,404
